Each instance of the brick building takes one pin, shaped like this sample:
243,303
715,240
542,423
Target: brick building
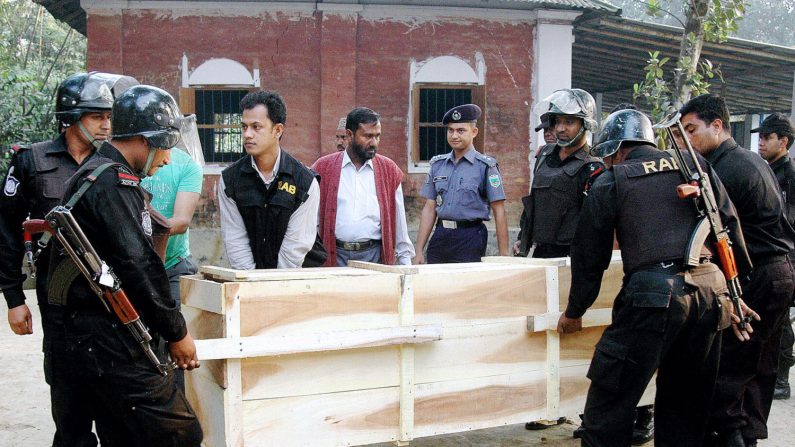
408,60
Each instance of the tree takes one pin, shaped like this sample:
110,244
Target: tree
711,20
36,53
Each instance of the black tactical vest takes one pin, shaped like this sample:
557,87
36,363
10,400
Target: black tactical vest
557,198
653,223
265,210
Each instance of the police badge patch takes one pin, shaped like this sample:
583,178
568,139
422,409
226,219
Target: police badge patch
494,180
12,184
146,222
456,115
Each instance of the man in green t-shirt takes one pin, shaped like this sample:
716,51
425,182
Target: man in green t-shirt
176,188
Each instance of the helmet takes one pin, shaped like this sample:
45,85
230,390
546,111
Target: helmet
88,92
621,126
570,101
149,112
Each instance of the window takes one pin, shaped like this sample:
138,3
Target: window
218,119
430,101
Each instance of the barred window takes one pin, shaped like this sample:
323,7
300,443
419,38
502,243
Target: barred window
218,118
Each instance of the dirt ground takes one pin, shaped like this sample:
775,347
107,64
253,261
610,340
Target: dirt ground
25,414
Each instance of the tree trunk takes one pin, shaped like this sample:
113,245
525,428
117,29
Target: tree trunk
690,50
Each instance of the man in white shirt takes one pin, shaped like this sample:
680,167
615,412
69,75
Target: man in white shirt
361,199
268,199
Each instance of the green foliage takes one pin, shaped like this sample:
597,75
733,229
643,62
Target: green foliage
36,53
690,76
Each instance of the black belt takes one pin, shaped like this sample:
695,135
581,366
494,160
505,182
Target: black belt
769,259
357,246
455,224
672,267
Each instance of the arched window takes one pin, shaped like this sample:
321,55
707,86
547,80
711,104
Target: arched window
213,91
437,85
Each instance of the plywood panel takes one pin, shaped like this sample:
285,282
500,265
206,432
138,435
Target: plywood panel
480,350
470,404
320,373
492,292
611,284
327,420
207,400
202,294
578,348
342,303
207,325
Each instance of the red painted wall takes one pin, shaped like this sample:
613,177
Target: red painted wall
324,65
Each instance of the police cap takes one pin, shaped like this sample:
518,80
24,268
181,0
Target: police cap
467,113
777,123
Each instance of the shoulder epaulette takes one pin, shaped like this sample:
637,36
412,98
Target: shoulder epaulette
18,147
490,161
437,158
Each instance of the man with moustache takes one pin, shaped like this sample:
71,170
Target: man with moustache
563,173
33,186
268,199
363,217
341,139
747,373
775,138
461,187
134,403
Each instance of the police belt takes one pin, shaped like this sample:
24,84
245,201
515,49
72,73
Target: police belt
672,267
455,224
357,246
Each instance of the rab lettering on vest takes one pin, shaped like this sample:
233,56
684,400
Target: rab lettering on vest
663,164
284,186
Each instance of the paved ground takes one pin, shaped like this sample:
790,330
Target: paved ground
25,417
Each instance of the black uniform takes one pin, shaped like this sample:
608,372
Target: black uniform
666,316
748,369
552,209
134,404
34,185
784,168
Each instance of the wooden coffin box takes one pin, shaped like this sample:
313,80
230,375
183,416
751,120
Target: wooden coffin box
370,353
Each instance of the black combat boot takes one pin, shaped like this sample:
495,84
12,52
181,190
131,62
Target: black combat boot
782,390
643,431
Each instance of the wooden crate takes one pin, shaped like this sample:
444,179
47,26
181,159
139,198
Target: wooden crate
371,353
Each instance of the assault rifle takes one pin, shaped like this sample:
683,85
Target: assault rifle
698,188
60,223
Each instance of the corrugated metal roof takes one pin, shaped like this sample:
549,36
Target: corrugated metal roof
70,12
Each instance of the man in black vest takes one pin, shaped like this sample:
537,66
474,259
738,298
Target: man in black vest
563,173
748,371
34,185
268,200
775,138
134,404
667,314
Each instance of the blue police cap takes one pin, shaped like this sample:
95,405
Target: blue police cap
466,113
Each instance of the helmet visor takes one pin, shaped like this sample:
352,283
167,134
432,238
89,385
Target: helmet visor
562,102
189,139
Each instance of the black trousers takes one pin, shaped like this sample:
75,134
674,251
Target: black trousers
133,405
748,370
459,245
666,321
72,409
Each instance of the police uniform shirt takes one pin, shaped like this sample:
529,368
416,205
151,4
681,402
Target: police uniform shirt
784,168
592,247
753,189
298,240
463,190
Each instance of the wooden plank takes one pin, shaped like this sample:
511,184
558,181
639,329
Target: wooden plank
207,325
471,404
270,345
406,418
402,269
233,397
227,274
480,350
541,262
549,321
317,373
491,292
197,292
553,349
320,305
327,420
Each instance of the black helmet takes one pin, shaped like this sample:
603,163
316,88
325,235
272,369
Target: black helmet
88,92
149,112
621,126
570,101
